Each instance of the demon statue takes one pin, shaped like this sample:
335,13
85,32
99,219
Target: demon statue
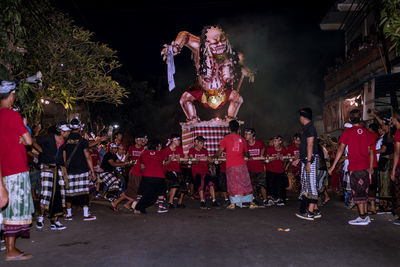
219,68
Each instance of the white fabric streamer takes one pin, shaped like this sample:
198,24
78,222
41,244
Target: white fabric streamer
171,68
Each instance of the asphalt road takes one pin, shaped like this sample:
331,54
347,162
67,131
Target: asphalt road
194,237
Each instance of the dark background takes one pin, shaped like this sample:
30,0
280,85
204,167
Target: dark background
281,41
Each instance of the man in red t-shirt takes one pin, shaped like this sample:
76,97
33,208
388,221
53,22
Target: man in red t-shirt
256,148
276,171
135,176
373,133
203,181
237,175
152,185
294,167
395,175
173,173
17,215
361,159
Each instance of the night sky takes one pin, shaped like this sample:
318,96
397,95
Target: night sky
281,41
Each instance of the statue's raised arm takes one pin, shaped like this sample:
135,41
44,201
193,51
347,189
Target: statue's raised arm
218,67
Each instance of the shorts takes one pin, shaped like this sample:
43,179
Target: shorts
173,179
187,175
258,179
222,182
202,182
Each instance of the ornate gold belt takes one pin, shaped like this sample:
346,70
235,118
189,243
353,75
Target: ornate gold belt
213,98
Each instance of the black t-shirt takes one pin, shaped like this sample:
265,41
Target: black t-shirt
105,165
78,163
389,144
51,154
308,131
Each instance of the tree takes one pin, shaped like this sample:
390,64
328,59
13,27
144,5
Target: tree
11,38
75,68
390,21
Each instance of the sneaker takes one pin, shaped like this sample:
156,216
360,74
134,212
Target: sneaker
280,203
215,205
98,196
203,205
171,206
253,206
39,223
270,202
68,218
89,218
2,245
317,214
359,221
231,206
396,222
368,219
180,206
161,209
57,226
305,216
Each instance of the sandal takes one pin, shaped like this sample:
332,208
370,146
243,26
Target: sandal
128,207
20,257
113,208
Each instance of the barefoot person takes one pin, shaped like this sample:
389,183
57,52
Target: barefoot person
361,159
17,214
237,175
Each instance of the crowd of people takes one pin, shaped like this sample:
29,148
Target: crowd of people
67,167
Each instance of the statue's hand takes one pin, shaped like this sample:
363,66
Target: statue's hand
176,49
164,52
234,95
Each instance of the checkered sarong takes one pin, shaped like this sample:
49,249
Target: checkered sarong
110,181
309,180
47,181
213,131
78,184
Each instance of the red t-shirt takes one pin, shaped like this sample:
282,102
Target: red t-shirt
397,140
135,153
94,154
173,166
255,151
294,151
13,157
234,146
202,166
275,166
153,163
373,137
358,140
